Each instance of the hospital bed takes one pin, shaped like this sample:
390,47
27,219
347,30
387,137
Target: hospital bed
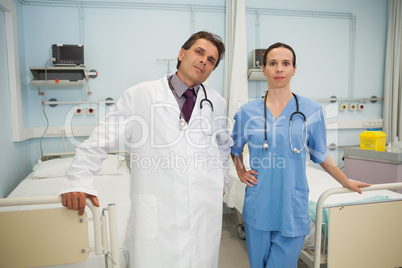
352,230
36,230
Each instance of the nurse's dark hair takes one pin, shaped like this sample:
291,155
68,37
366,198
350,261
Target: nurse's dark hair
276,45
213,38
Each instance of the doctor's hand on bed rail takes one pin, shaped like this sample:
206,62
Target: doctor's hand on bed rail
76,201
246,176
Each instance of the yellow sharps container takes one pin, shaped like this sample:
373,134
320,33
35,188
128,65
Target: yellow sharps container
373,140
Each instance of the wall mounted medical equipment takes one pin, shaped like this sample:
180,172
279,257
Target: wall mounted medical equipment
61,76
58,76
68,55
265,144
257,58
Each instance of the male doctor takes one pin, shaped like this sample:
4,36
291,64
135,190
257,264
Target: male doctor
176,209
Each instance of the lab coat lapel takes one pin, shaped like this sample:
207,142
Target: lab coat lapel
165,99
196,109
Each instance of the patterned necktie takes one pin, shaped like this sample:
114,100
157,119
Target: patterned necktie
188,104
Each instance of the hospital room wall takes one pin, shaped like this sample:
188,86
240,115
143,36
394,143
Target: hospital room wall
127,44
124,45
336,56
15,161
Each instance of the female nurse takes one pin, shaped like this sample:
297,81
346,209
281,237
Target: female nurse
275,209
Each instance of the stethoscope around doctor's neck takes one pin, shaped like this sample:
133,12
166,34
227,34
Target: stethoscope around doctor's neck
182,123
265,144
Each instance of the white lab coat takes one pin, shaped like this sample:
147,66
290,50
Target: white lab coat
177,176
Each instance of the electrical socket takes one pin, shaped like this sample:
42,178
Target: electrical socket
372,123
66,131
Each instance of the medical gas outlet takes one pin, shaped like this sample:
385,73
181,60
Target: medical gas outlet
91,110
78,111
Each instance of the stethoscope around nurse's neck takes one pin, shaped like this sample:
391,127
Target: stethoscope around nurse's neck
265,144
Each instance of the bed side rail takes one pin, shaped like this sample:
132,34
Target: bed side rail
340,190
99,222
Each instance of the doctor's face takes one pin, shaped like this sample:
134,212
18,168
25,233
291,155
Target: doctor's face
198,62
279,68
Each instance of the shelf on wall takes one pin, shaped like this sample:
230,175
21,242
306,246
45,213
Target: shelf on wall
58,76
255,74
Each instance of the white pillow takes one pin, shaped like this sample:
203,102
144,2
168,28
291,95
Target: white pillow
55,168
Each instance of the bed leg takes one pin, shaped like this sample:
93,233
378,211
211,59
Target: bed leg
240,226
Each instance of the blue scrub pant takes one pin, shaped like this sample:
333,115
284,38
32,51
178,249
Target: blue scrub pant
271,249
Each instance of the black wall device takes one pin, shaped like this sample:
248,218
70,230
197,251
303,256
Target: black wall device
257,58
68,55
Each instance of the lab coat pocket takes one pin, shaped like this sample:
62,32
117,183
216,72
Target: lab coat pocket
145,216
300,208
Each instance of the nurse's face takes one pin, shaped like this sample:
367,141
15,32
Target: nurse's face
198,62
279,69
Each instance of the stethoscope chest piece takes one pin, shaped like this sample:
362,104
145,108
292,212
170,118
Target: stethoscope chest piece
182,124
265,145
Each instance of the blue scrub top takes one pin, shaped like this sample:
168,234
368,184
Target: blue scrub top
279,200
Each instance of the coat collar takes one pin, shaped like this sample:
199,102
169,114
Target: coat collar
163,92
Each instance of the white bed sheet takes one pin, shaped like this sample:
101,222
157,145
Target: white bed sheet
234,190
111,189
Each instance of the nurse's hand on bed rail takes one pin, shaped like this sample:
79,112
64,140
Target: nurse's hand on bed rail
355,186
332,169
76,201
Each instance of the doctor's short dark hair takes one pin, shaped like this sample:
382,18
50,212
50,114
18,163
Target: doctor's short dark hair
213,38
276,45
